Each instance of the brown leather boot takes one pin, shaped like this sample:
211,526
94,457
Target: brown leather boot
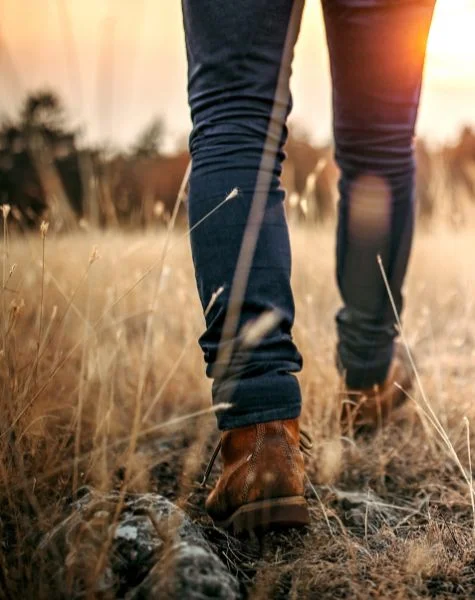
262,483
372,407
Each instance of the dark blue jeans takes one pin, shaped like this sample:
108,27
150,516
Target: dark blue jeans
239,63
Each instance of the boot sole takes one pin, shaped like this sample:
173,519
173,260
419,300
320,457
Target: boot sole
275,513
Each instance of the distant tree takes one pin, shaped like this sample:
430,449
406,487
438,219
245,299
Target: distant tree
8,132
44,111
38,152
150,140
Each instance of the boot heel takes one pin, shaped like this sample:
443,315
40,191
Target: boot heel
275,513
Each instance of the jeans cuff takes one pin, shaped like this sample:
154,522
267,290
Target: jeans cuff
364,374
230,421
260,400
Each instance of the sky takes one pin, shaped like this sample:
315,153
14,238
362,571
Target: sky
119,63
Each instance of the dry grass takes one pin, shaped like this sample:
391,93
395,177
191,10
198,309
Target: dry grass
85,373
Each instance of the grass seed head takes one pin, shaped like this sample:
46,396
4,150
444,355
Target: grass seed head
257,330
94,255
44,229
5,210
233,194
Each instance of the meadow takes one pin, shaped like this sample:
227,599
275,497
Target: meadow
102,384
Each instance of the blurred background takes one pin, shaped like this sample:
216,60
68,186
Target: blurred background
94,119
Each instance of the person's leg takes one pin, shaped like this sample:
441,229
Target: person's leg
377,50
235,51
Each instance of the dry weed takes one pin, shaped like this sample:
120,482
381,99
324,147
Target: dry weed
99,346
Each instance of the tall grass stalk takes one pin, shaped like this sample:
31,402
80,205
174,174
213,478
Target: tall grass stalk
427,405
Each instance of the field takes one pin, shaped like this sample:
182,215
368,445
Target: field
101,378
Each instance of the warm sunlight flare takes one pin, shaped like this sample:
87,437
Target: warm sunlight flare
119,64
451,49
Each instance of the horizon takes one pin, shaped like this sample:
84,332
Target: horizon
116,68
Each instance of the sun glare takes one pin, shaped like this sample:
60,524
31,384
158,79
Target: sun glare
451,48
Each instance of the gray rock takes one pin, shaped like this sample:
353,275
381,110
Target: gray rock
154,550
197,575
365,511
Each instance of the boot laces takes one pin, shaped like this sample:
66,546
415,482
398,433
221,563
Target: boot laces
305,445
211,463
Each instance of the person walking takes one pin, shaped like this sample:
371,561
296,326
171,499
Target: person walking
239,65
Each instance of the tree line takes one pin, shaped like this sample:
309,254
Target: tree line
47,173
